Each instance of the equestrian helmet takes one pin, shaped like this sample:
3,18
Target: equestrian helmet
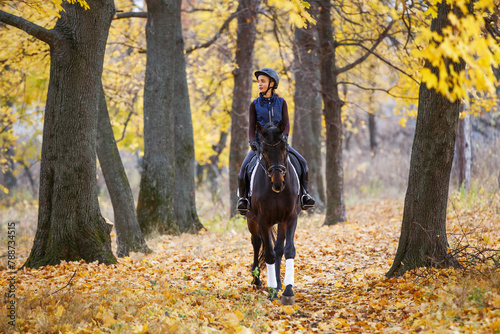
270,73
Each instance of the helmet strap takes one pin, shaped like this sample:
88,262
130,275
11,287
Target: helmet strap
268,88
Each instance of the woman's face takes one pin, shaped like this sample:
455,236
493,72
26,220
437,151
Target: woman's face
263,83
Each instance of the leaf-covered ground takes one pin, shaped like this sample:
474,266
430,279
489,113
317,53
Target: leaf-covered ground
201,283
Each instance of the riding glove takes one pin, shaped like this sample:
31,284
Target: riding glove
253,145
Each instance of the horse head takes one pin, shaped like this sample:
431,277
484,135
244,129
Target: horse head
274,153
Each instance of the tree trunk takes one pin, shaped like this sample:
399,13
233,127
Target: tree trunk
212,168
242,91
464,151
335,206
423,241
185,203
307,137
128,231
70,224
155,206
372,128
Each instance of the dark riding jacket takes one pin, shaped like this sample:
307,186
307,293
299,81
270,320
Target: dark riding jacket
264,110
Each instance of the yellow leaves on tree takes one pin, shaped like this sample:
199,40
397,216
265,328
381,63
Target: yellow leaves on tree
464,39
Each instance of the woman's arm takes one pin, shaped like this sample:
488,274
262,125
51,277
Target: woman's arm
252,119
285,118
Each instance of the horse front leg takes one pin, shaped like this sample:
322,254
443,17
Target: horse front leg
288,297
253,227
270,258
278,250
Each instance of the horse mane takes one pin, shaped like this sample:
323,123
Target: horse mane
271,134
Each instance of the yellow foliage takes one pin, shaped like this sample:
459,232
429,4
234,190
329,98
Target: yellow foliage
462,40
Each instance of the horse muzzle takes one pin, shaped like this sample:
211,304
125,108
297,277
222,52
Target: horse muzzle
280,188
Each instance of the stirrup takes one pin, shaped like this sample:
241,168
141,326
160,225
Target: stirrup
305,206
242,206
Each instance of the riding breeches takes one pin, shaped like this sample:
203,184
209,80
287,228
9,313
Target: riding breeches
243,167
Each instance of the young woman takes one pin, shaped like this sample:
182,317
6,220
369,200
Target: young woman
269,107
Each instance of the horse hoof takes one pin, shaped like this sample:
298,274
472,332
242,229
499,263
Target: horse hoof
257,286
272,294
288,297
287,300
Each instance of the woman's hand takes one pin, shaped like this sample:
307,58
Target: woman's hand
253,145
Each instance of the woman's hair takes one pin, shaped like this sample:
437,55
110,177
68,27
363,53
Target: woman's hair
274,89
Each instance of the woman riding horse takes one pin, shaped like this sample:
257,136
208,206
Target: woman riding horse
274,202
269,107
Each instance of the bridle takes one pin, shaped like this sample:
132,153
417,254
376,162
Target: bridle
279,167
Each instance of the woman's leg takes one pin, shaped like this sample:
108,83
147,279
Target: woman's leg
242,205
307,201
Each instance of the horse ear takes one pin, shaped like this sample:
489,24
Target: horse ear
281,126
258,127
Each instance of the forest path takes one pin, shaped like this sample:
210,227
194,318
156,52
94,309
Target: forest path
201,283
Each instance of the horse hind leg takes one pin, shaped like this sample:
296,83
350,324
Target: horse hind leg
253,227
270,258
256,243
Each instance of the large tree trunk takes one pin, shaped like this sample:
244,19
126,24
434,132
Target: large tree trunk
308,106
70,224
155,207
128,231
247,14
464,151
335,206
185,203
423,241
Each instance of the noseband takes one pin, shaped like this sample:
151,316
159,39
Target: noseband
280,168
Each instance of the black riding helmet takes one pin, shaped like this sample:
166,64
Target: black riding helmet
271,74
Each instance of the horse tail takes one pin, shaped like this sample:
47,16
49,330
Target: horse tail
262,257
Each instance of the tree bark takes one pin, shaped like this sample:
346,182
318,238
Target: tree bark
242,91
335,206
185,202
70,224
128,231
155,206
423,241
307,137
464,151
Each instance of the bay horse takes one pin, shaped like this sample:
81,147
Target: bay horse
274,201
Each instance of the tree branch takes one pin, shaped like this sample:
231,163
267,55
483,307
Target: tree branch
224,26
387,91
45,35
370,51
390,64
128,15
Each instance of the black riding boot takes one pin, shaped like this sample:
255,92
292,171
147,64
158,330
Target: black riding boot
243,204
306,201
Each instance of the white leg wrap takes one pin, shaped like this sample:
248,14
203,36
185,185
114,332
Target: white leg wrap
271,276
289,272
